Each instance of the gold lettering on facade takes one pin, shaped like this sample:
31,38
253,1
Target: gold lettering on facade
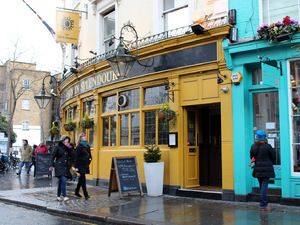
108,77
82,86
76,89
104,78
98,79
114,75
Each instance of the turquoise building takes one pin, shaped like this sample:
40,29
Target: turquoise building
265,92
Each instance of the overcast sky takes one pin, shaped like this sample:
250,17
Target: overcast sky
17,21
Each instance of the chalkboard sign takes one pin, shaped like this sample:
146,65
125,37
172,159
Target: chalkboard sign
124,176
42,164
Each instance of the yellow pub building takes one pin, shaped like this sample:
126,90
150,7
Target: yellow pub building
189,71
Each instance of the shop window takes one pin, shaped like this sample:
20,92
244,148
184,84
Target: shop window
132,99
150,127
163,134
295,89
175,14
109,31
155,95
109,104
75,112
66,116
135,129
273,11
109,131
91,108
91,138
256,76
124,129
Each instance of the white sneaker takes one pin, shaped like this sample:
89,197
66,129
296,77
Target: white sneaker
59,199
66,199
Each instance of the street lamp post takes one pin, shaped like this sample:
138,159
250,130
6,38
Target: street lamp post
43,99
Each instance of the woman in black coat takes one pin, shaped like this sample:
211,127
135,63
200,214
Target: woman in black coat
82,162
264,156
60,155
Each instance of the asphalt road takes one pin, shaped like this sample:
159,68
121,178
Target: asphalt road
11,214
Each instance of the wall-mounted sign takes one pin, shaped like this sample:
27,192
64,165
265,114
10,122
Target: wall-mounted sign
67,27
236,78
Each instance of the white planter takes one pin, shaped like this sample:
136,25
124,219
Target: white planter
154,174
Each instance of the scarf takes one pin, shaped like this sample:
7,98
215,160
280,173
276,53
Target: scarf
84,143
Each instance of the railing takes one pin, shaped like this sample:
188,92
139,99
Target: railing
151,40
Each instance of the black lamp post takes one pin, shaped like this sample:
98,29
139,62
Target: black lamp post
122,62
43,99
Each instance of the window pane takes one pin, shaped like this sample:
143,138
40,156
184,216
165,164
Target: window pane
191,128
170,4
91,136
109,25
75,112
113,131
109,104
84,108
92,108
256,76
135,129
163,134
124,129
133,99
176,19
66,116
150,127
295,72
105,131
155,95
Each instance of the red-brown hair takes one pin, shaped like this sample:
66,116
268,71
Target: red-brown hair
261,142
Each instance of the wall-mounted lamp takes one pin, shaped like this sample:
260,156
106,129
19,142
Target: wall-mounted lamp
220,80
225,89
94,53
167,88
198,29
43,99
122,62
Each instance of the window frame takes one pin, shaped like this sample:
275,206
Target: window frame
25,124
26,84
141,111
23,104
167,12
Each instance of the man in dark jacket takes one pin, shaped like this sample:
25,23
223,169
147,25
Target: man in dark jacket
60,155
264,156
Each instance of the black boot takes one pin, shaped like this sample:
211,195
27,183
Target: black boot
77,193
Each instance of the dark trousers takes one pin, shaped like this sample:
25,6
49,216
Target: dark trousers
263,186
81,183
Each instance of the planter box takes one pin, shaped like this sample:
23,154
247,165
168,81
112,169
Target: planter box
154,174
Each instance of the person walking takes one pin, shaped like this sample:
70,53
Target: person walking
60,155
263,156
26,152
82,162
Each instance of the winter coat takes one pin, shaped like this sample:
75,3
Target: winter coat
83,159
26,153
61,154
264,160
41,149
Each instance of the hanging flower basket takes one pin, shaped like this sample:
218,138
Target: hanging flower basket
166,114
54,131
70,126
86,123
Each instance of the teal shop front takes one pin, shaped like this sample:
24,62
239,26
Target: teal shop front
267,98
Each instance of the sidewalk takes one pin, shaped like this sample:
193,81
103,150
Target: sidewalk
147,210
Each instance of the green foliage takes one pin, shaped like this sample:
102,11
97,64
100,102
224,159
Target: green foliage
273,31
86,123
4,129
153,153
168,113
55,130
70,125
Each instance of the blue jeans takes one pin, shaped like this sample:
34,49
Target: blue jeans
26,166
263,186
61,186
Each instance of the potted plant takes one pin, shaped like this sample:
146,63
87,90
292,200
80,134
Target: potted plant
70,126
86,123
54,131
154,170
166,114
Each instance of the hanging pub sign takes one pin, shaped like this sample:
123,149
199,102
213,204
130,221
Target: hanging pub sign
271,74
67,27
124,176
